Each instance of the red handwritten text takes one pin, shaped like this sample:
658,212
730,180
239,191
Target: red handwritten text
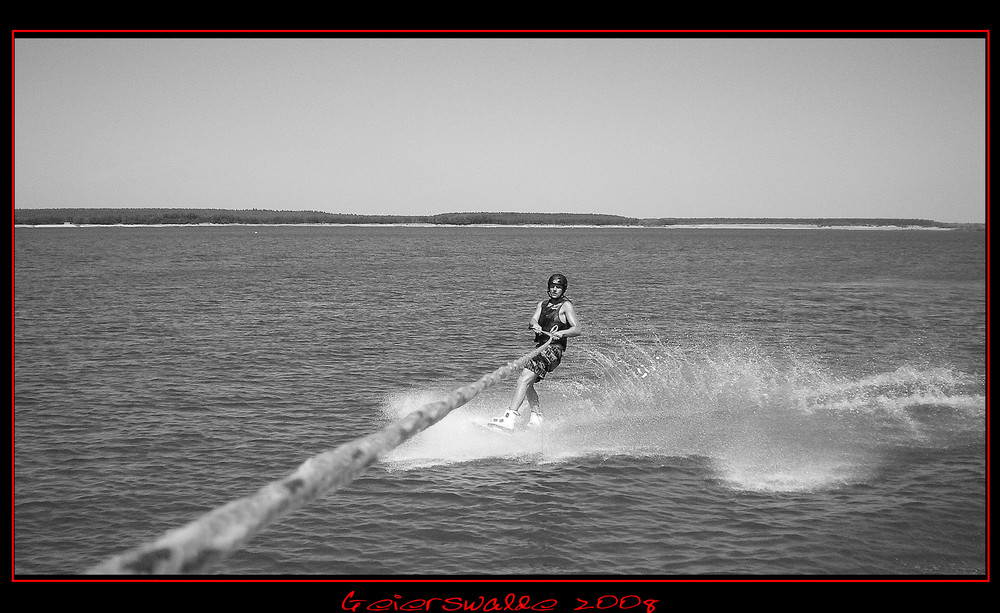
510,602
611,601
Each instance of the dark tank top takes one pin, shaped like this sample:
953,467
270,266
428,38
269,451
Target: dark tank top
549,318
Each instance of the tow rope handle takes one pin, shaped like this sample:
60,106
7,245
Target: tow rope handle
551,332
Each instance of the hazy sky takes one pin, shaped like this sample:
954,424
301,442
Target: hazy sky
662,127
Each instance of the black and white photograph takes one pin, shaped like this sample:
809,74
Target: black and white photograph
531,305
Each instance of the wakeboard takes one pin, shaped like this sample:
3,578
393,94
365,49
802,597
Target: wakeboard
495,429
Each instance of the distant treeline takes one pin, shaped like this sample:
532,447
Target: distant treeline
39,217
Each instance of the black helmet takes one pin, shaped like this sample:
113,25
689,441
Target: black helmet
558,279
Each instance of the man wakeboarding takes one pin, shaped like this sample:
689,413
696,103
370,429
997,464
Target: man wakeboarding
553,318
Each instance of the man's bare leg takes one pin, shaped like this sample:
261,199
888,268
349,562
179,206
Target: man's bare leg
525,389
535,420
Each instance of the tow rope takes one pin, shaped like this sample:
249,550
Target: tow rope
205,541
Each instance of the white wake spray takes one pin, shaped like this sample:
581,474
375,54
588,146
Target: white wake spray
765,421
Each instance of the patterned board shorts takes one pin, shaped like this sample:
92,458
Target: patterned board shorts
546,361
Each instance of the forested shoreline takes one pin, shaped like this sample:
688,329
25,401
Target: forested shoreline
143,216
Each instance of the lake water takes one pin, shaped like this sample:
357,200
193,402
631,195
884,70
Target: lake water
745,402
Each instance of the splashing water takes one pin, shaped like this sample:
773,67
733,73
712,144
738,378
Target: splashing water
765,422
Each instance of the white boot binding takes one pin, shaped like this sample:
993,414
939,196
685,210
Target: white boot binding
507,422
